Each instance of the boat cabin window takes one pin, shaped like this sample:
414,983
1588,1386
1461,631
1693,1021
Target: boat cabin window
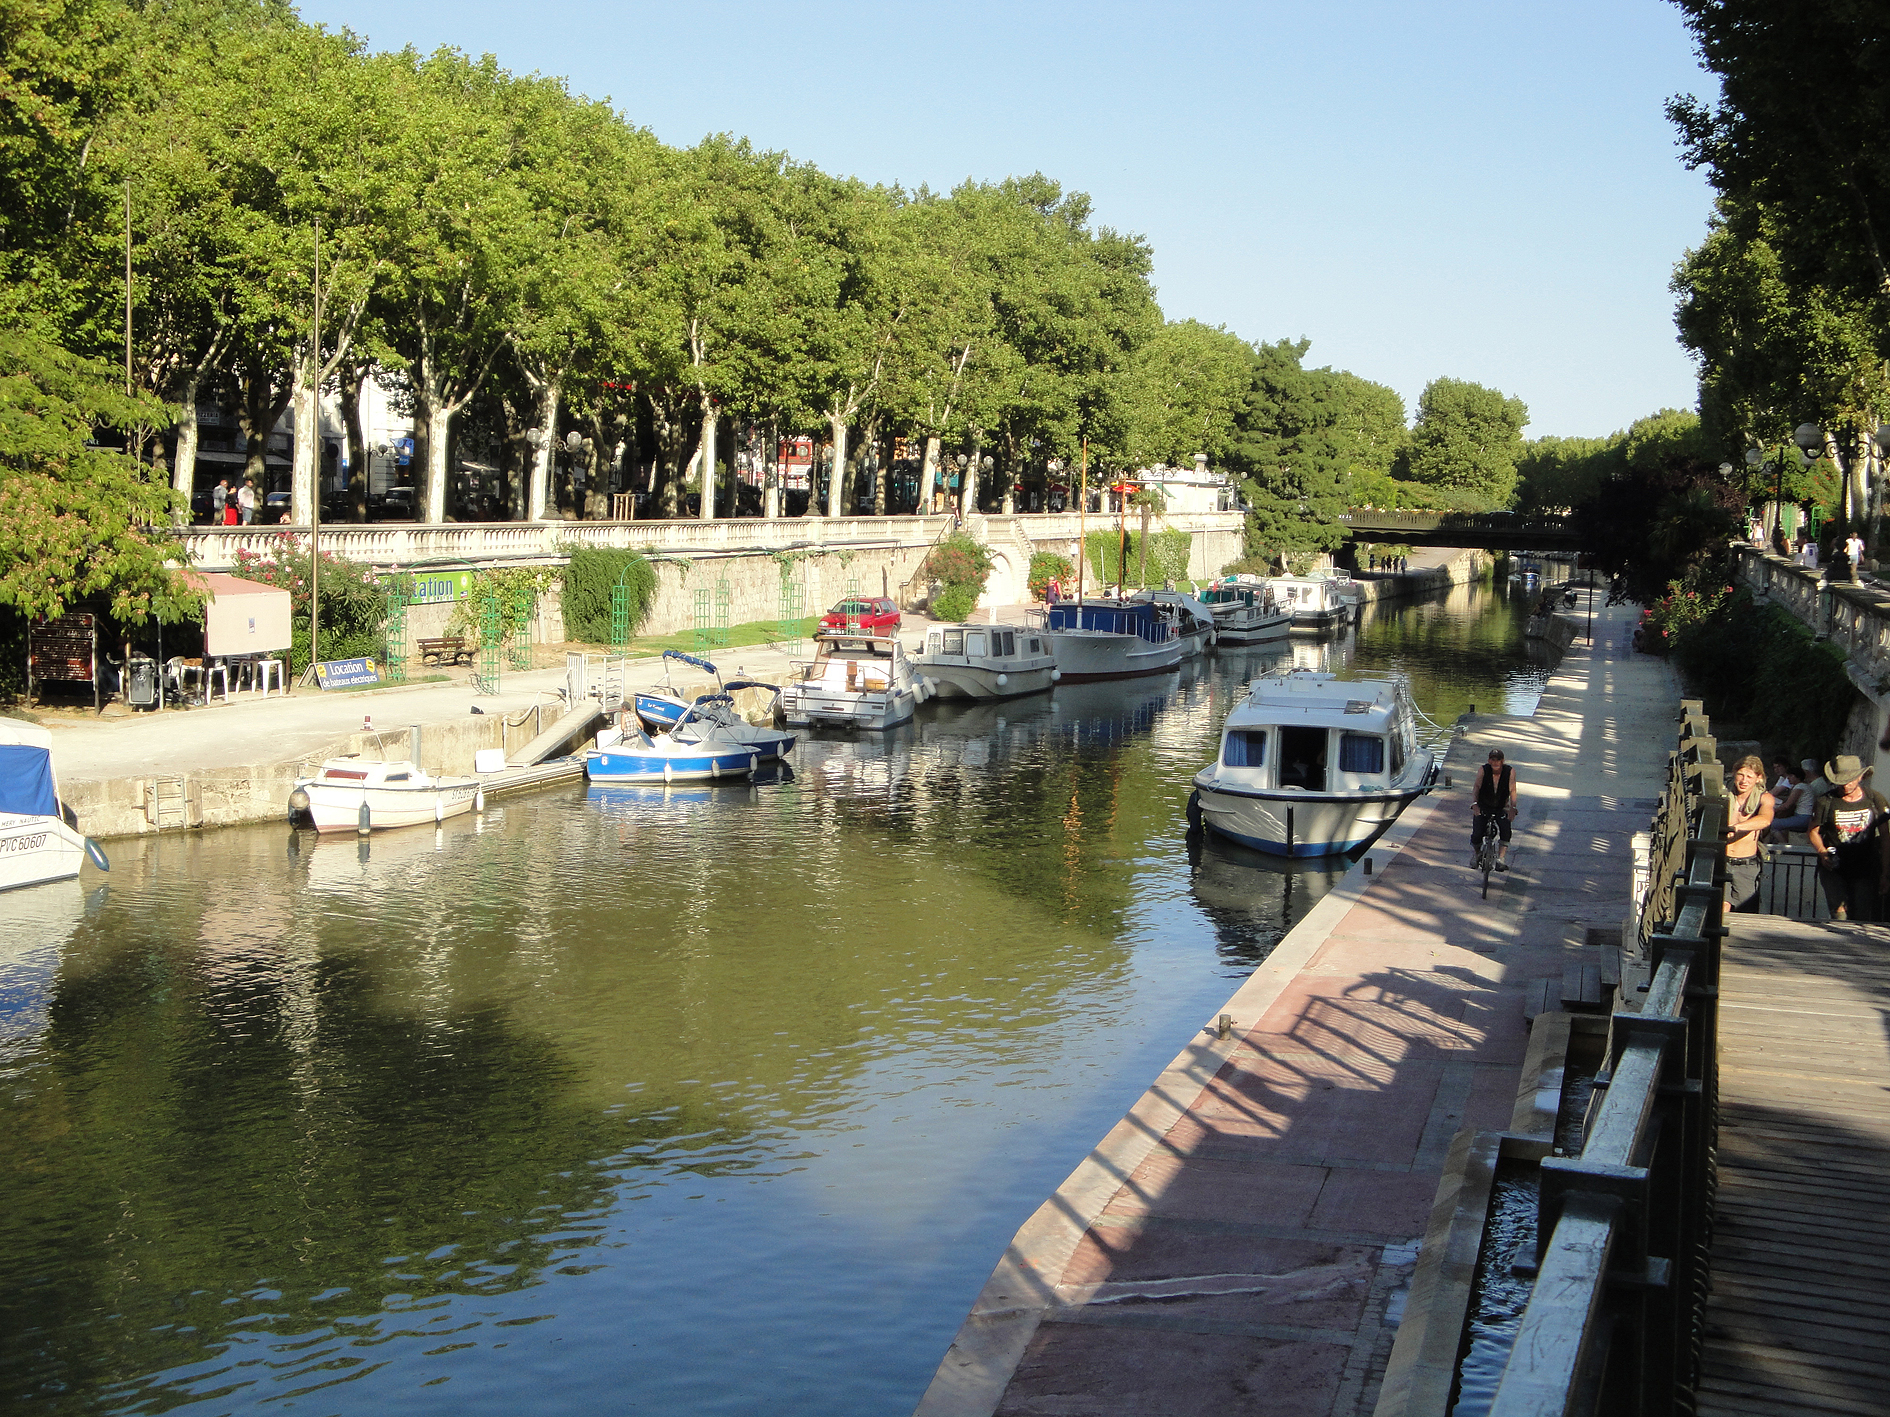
1397,752
974,643
1361,752
395,777
1007,643
1036,647
954,642
1303,758
932,642
1245,748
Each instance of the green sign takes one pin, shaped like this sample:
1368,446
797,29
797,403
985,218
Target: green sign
438,587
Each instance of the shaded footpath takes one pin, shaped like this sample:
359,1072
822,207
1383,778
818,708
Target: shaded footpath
1246,1233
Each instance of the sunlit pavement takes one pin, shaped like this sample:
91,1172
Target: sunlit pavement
1237,1241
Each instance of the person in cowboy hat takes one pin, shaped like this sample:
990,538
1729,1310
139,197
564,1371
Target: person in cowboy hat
1852,838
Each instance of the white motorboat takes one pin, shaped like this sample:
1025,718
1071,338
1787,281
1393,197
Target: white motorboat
854,680
1194,623
986,661
1315,603
1313,765
1245,612
352,793
1108,639
36,845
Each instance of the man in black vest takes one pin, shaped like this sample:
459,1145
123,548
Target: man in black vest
1493,807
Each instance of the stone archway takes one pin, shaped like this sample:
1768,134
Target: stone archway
1003,586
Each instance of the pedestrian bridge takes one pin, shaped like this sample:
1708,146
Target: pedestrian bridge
1488,531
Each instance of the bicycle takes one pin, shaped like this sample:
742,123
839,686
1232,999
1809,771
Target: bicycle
1486,855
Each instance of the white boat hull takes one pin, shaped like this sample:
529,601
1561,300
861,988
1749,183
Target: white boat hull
36,849
811,706
336,807
1289,823
1256,630
971,681
1319,622
1084,655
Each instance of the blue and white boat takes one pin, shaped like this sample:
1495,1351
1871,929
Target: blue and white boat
1109,639
659,707
1314,765
36,845
708,743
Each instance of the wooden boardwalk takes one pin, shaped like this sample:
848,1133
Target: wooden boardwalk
1799,1317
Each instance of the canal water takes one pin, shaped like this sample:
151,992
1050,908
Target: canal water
717,1101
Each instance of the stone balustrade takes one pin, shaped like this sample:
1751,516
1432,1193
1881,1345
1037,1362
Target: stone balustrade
474,543
1854,617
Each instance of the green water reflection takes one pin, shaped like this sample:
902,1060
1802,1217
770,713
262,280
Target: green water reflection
541,1113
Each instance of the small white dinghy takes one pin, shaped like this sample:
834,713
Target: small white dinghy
351,793
36,845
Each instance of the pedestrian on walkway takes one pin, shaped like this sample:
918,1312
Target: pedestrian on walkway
246,501
1747,818
1852,841
219,498
1492,807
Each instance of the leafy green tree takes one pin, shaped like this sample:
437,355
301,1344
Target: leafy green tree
77,520
1467,439
1181,393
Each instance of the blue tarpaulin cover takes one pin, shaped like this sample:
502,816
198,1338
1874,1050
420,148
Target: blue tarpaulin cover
26,781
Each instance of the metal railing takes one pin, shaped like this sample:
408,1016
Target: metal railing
1614,1322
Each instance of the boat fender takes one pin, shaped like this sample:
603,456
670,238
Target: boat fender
1055,675
754,760
1003,679
298,801
479,800
1194,809
97,854
439,809
665,769
715,768
364,823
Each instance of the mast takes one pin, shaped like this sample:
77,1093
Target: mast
1082,524
315,501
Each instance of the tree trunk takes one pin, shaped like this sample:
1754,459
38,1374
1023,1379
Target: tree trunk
882,475
439,425
969,503
305,467
771,473
666,427
184,474
928,474
835,490
354,378
708,459
547,413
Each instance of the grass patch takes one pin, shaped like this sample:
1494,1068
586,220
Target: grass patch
766,633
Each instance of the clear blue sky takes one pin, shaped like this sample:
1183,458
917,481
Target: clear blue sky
1486,191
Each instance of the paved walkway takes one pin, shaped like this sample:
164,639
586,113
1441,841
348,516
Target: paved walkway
1235,1243
1798,1320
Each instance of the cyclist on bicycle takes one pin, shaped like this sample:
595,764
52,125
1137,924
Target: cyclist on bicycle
1492,807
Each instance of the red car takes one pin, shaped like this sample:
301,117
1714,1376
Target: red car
873,615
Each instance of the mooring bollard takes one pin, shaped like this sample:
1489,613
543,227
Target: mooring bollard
1224,1025
1368,865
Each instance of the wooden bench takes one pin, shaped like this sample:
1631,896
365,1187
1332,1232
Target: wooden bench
448,649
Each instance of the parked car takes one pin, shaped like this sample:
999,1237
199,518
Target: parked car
275,508
874,614
393,505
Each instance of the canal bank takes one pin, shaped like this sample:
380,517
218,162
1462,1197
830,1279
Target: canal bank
1249,1228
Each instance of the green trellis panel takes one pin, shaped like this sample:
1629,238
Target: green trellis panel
724,601
793,611
491,628
853,593
703,618
396,636
620,613
519,648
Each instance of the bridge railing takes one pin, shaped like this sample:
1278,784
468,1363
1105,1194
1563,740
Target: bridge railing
1613,1323
1371,519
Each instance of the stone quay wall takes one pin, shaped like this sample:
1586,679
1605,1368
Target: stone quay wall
829,557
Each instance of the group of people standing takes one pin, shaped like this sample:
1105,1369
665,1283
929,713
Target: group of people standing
1846,822
233,506
1396,564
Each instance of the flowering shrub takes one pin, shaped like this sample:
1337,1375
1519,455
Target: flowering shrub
1678,611
353,601
1047,566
